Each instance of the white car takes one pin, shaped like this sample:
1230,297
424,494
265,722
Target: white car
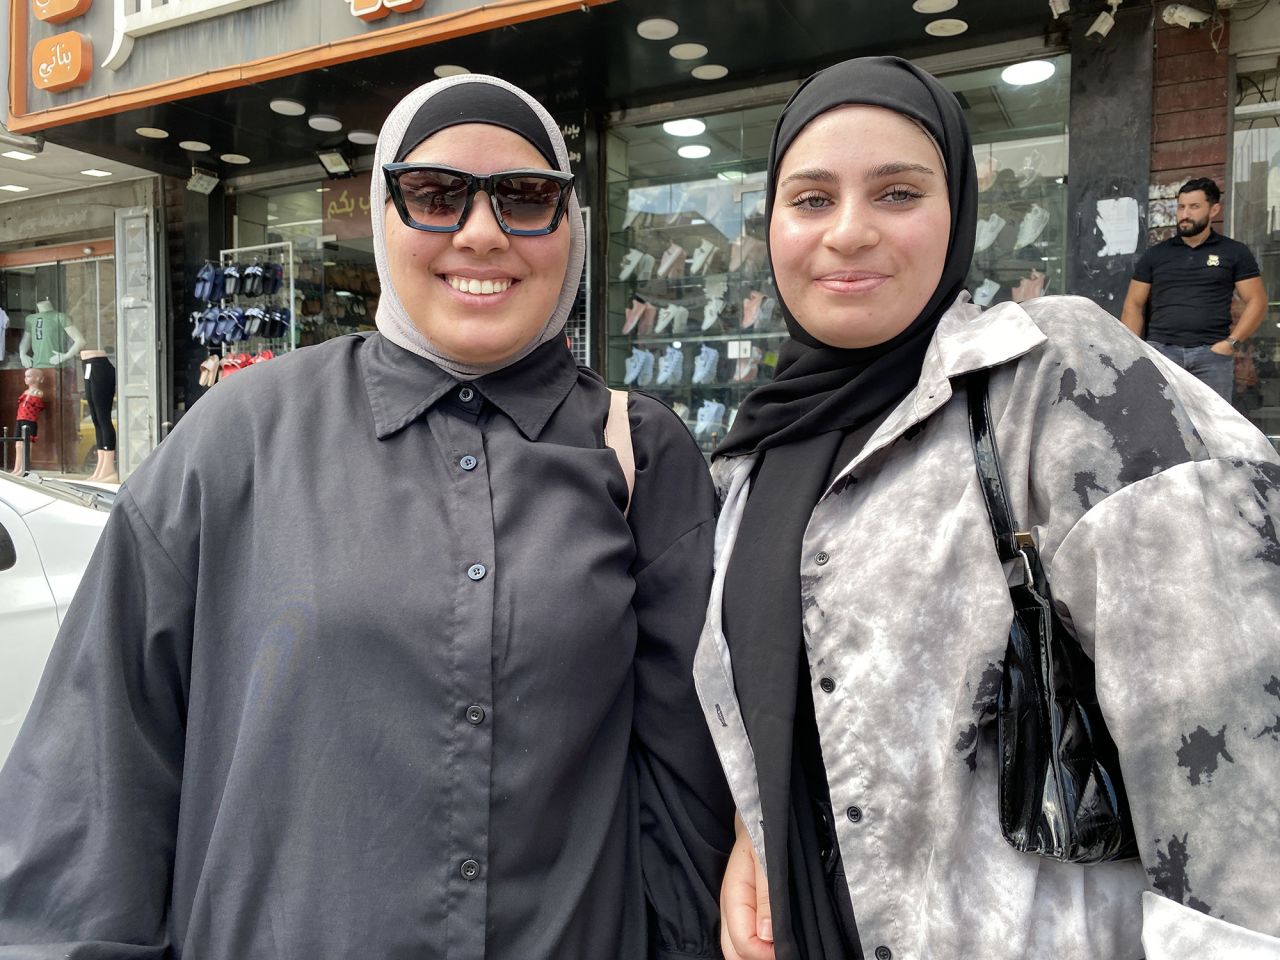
48,529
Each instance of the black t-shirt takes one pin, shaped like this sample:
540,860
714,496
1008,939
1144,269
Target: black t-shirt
1191,288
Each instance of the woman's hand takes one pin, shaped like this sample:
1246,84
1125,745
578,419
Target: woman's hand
746,928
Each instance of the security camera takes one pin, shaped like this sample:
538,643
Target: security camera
1181,15
1059,7
1104,22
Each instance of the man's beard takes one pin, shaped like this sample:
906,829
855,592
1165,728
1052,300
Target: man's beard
1189,227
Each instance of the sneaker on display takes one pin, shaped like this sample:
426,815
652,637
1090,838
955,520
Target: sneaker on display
632,367
1029,287
704,365
748,368
767,316
680,319
711,312
647,363
710,418
648,317
665,316
1032,226
672,264
750,309
630,261
1030,167
716,286
703,256
644,269
986,293
671,366
728,423
988,230
681,410
633,314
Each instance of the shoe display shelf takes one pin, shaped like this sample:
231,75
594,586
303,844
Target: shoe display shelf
1019,247
692,318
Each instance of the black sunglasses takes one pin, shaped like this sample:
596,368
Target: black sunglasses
437,199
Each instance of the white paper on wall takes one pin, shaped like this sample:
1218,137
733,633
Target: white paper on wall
1118,224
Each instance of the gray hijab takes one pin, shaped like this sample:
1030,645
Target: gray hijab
393,320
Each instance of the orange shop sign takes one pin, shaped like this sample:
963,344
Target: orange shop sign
62,61
370,10
59,11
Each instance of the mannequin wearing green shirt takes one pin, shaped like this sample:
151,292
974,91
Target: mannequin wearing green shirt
46,331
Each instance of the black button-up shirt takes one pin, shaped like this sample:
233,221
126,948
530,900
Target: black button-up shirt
369,663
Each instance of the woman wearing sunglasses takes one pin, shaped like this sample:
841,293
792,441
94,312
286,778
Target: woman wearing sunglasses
856,650
374,660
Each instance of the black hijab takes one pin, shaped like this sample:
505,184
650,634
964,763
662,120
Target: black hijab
819,388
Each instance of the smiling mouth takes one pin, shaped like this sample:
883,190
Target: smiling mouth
852,282
480,287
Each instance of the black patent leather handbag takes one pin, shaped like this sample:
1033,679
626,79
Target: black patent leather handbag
1061,793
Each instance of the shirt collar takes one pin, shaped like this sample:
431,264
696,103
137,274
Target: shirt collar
402,385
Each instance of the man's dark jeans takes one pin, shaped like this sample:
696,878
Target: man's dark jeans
1213,368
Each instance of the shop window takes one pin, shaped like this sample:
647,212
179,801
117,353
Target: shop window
335,277
691,309
51,308
1255,222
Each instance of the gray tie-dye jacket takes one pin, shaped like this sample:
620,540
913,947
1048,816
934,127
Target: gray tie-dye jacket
1156,509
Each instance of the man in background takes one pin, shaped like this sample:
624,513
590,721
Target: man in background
1189,280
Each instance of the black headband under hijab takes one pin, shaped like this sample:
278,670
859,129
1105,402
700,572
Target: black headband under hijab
819,388
477,103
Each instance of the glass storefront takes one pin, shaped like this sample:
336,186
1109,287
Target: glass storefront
327,222
1255,222
691,310
55,311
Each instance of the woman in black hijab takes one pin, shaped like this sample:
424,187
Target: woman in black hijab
859,614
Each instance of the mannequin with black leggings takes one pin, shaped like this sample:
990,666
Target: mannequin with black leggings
100,390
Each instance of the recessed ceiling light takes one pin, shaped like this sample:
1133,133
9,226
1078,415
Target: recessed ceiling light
709,71
322,189
945,28
272,216
933,6
1027,73
94,172
234,158
154,133
688,51
449,70
694,151
13,188
195,146
287,107
324,123
363,137
18,155
688,127
657,28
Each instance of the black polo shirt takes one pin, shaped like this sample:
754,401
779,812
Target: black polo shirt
1191,288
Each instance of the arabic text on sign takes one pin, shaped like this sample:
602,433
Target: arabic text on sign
59,11
370,10
62,61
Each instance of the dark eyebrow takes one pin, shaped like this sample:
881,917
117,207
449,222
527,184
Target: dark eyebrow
895,167
815,174
890,169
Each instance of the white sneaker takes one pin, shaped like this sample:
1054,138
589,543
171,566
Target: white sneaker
716,286
680,320
671,366
988,230
711,312
633,366
647,363
644,269
629,263
710,416
702,257
733,415
705,364
681,410
1032,226
986,293
665,316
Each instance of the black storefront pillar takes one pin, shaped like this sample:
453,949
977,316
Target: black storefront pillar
203,235
1110,150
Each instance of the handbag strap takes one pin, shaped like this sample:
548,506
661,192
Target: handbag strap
617,437
1010,542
